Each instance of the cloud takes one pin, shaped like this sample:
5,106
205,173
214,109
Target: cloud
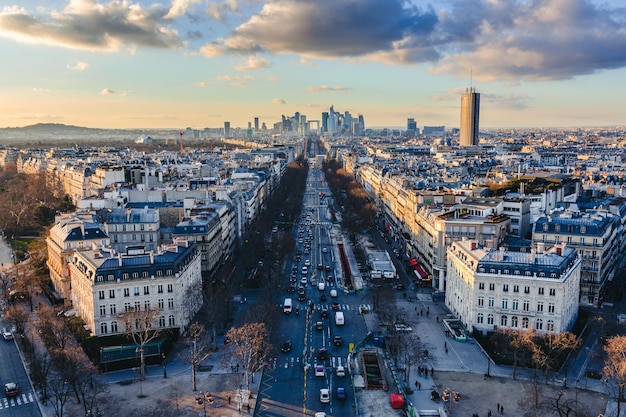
88,25
509,101
326,88
503,40
107,91
78,66
40,90
307,62
279,101
220,11
254,62
204,84
235,81
179,8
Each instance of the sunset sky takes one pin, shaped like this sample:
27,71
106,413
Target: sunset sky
198,63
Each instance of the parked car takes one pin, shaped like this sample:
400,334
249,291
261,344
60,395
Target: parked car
7,335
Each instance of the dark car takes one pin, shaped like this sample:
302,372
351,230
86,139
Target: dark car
337,341
334,306
323,297
291,289
327,268
324,311
286,347
319,325
341,393
301,297
322,354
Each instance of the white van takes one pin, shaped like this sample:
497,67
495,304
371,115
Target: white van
321,286
339,320
333,293
287,307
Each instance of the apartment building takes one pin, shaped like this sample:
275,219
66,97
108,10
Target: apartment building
205,230
596,235
106,284
72,232
491,289
126,227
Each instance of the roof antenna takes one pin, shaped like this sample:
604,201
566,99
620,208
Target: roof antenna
471,79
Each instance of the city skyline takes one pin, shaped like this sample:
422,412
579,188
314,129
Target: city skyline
195,63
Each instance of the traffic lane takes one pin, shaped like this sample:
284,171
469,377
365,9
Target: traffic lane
12,370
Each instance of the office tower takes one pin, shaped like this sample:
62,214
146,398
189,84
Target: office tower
226,129
332,120
325,121
362,122
303,126
470,114
256,124
411,127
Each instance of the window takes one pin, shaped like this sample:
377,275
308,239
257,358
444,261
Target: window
504,321
137,305
514,321
159,273
161,321
526,305
111,293
136,291
125,275
491,302
515,288
480,318
540,291
505,288
515,305
553,292
126,292
146,290
490,319
526,290
170,303
505,304
101,295
113,309
135,275
481,285
539,324
160,288
540,306
171,320
146,305
481,301
99,278
550,326
113,327
170,287
551,308
103,311
126,307
161,303
103,328
492,287
144,274
525,323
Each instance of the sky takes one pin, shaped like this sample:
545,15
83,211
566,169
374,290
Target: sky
199,63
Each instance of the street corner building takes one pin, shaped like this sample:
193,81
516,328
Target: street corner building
107,283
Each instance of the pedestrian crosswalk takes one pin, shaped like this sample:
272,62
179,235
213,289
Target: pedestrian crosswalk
296,361
17,400
346,307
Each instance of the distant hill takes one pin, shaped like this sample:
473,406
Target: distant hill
57,132
50,128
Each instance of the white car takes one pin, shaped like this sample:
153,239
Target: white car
307,263
341,371
324,395
325,250
320,371
7,335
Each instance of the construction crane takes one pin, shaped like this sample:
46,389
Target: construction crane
181,133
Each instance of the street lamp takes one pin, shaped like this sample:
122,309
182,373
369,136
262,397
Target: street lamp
449,396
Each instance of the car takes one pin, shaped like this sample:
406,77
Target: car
333,293
325,250
301,297
286,347
341,393
337,341
323,298
7,335
334,306
320,266
320,414
330,278
11,389
293,279
340,371
327,268
324,395
319,325
301,290
304,280
307,262
322,354
400,287
291,289
320,371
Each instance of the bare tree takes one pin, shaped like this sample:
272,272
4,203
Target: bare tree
199,350
412,351
215,307
59,393
250,348
55,331
615,367
139,330
17,316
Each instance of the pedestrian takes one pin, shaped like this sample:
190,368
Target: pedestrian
416,383
248,406
432,371
446,350
445,344
427,313
501,409
498,407
229,400
419,385
427,309
489,413
426,372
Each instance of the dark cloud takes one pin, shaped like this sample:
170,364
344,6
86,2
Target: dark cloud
506,40
89,25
